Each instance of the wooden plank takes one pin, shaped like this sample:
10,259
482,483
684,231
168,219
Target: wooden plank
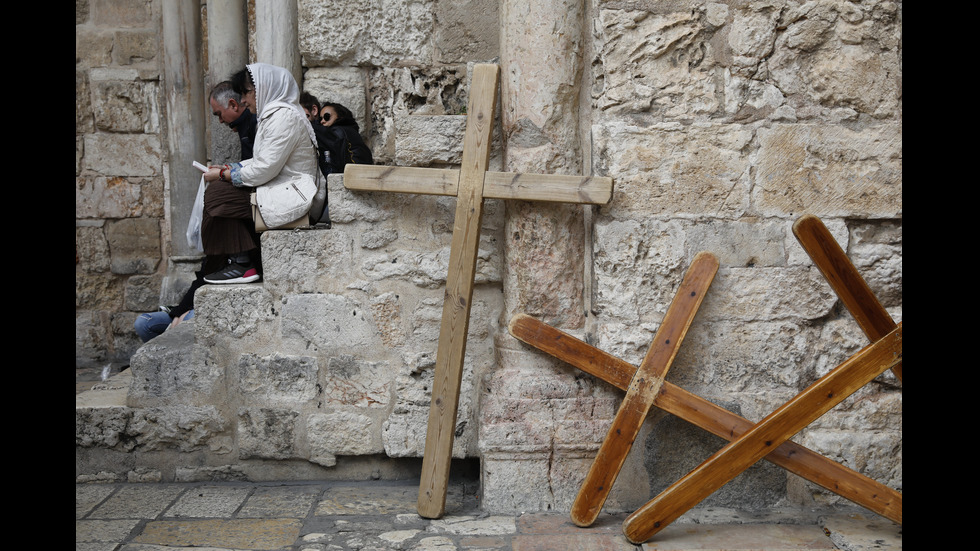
425,181
471,184
844,279
459,292
595,190
642,390
793,457
772,431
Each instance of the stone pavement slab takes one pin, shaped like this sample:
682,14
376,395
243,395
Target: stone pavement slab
738,537
380,515
222,533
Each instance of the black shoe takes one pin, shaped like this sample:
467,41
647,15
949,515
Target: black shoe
233,273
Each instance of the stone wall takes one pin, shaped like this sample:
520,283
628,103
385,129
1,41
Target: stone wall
720,123
121,231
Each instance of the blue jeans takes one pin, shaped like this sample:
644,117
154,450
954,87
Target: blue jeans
153,324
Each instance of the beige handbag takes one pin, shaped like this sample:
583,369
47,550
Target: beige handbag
260,226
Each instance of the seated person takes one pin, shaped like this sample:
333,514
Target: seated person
311,106
340,135
281,173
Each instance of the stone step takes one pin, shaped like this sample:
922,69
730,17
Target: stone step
322,366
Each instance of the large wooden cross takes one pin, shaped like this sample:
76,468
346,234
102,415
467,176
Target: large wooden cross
768,439
471,184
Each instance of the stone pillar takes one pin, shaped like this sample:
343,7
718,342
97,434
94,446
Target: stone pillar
183,84
227,54
541,422
277,35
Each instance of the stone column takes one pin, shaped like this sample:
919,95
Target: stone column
277,35
227,54
541,422
183,85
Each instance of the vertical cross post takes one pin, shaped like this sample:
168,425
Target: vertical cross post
471,184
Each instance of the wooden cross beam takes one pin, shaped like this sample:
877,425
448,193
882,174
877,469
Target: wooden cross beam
797,459
778,427
844,278
884,352
673,399
471,184
643,388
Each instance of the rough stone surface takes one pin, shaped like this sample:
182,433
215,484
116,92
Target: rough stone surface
720,123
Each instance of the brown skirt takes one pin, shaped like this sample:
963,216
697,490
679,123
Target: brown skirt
227,226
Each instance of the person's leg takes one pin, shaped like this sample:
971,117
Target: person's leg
151,325
227,228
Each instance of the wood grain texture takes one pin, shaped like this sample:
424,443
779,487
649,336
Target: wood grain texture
793,457
778,427
396,179
845,280
643,389
471,184
593,190
459,292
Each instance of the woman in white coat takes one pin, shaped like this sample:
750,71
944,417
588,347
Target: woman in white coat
281,173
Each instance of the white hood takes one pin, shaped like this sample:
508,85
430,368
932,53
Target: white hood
276,88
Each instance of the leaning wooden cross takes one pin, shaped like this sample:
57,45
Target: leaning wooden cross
644,386
884,352
471,184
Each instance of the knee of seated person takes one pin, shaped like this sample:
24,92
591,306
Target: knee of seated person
144,326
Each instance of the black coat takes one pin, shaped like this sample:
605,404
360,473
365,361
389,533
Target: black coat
339,145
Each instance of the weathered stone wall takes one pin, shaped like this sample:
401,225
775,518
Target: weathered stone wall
720,122
121,232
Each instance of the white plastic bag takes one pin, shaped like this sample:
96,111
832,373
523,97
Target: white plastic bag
197,214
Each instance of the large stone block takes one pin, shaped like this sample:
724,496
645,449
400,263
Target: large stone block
342,433
466,30
232,312
126,106
331,324
829,170
181,428
277,379
123,154
268,433
333,32
422,140
134,244
171,369
652,62
841,56
135,46
670,169
350,381
107,197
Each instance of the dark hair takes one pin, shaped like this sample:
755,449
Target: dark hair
223,91
308,101
344,116
241,80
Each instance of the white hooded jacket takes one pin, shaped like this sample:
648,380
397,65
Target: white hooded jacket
283,166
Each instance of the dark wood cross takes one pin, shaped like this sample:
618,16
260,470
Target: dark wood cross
471,184
750,442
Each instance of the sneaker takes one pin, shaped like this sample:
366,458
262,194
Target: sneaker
234,273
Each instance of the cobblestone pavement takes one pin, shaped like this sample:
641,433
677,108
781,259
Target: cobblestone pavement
380,515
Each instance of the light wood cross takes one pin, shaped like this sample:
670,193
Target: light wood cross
471,184
769,438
